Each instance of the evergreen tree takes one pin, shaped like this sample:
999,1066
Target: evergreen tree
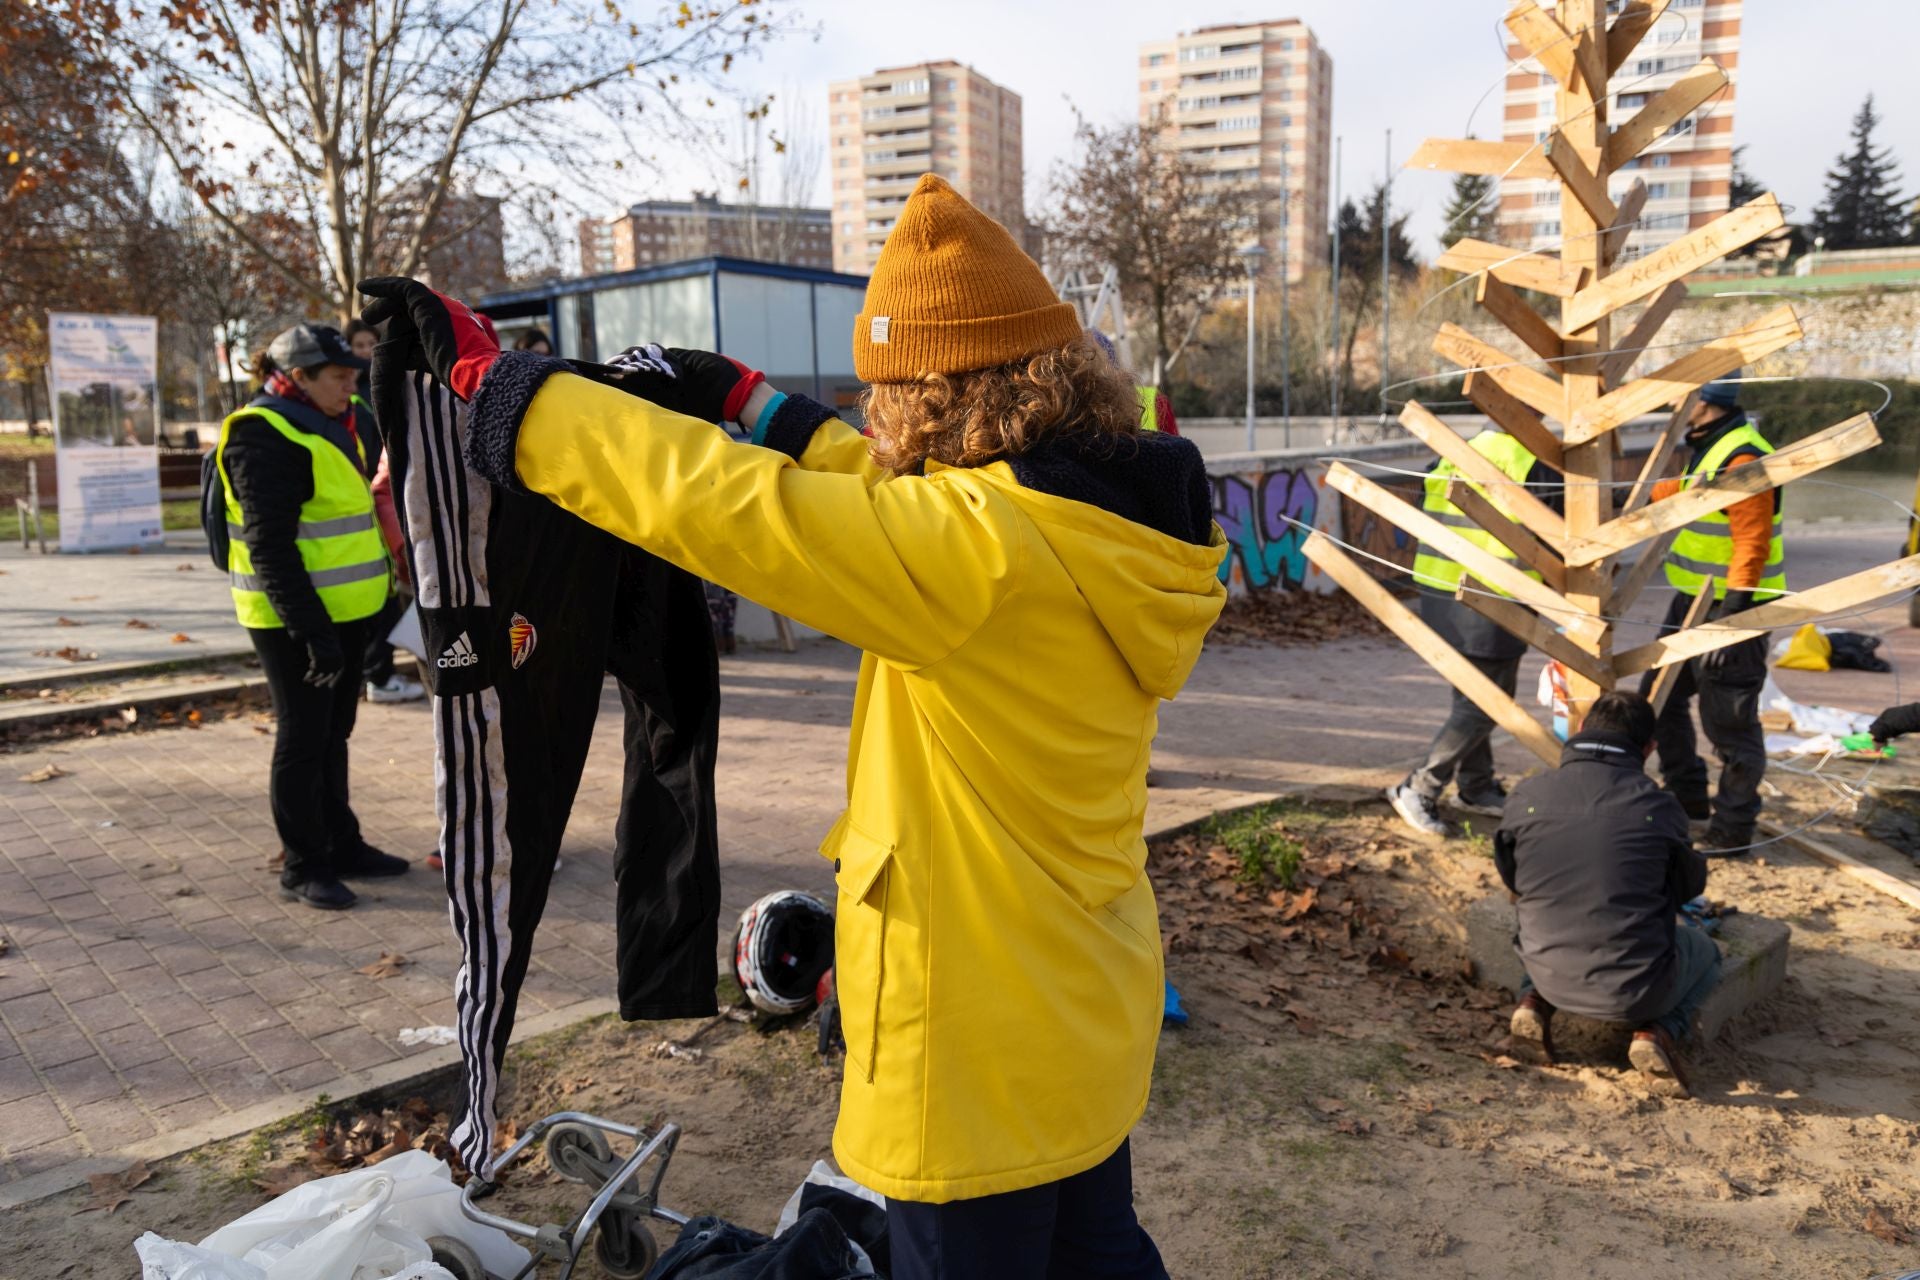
1745,188
1863,208
1472,212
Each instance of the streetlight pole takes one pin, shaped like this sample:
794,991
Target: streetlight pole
1251,256
1386,276
1333,378
1286,351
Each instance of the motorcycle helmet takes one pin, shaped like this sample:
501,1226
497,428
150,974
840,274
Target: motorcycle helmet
782,947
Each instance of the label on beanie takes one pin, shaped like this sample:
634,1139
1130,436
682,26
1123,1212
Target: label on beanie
879,333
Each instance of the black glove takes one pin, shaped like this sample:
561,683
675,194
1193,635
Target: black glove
452,343
1895,722
326,662
1731,655
718,386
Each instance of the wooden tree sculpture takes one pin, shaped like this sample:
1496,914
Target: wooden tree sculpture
1565,611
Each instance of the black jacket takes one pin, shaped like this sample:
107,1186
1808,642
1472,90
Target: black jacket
1600,860
271,478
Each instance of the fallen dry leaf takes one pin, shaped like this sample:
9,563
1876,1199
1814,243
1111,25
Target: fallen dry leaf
46,773
193,717
134,624
111,1190
1885,1229
64,621
1329,1106
130,714
69,652
389,963
1353,1125
185,568
181,637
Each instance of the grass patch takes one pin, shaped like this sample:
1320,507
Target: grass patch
1477,843
1266,853
181,513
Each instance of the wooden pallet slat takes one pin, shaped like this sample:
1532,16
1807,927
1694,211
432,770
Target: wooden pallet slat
1538,632
1522,321
1516,419
1629,28
1664,110
1626,219
1500,574
1431,648
1655,467
1672,382
1544,39
1627,588
1517,538
1810,605
1536,515
1801,458
1670,675
1541,272
1681,257
1477,155
1630,348
1540,391
1582,183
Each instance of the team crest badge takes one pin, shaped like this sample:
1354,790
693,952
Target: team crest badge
523,637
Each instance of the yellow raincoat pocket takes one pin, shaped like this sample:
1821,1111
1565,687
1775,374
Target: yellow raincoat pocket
862,868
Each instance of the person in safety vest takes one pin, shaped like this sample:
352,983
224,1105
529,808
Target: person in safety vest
1156,411
308,568
1741,550
1463,752
1030,576
384,684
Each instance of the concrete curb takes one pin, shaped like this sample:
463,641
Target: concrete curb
345,1089
45,714
86,673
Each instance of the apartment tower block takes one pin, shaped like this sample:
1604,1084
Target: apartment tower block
888,128
1254,104
1689,172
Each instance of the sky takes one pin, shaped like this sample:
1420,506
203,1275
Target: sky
1417,67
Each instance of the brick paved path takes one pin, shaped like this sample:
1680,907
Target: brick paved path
158,993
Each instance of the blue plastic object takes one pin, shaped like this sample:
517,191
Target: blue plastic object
1174,1011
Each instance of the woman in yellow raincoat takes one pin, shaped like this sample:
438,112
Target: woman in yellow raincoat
1028,575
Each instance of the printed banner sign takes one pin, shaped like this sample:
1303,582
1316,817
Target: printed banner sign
104,375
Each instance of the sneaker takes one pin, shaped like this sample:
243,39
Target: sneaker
369,863
321,894
1492,801
1657,1059
1417,811
1533,1020
1718,842
396,688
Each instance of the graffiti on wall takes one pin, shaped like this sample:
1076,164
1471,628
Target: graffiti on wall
1361,528
1256,511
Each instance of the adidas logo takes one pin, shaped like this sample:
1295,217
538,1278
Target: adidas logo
459,654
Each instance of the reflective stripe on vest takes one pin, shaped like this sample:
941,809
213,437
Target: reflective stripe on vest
1433,571
1704,548
339,542
1149,417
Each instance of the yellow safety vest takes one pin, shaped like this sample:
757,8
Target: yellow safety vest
1704,548
338,539
1149,420
1435,572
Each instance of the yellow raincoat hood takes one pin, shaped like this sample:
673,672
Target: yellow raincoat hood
997,945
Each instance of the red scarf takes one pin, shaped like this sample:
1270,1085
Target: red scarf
280,383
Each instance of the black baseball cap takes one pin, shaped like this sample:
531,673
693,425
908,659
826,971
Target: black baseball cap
306,345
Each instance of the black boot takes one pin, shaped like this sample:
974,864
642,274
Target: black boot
321,894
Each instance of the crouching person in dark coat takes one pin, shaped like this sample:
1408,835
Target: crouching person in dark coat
1599,862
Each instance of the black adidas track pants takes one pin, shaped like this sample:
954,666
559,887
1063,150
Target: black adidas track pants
523,610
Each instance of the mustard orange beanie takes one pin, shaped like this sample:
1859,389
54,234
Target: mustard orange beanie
952,292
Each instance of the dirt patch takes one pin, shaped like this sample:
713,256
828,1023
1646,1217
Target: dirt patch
1342,1103
1289,618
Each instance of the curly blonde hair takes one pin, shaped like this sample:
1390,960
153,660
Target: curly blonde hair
972,419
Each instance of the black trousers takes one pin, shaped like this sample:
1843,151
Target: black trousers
1730,713
524,611
308,784
1081,1226
1462,752
378,666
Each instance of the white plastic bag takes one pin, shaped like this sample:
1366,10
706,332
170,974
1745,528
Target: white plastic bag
823,1175
370,1224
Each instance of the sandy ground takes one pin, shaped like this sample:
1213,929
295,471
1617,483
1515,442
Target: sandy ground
1344,1102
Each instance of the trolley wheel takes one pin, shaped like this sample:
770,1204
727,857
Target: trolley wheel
625,1249
577,1152
458,1257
